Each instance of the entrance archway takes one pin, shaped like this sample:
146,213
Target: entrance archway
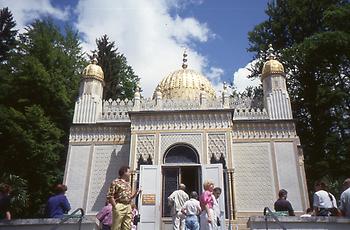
180,165
181,153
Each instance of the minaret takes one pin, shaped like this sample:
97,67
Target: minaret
276,98
88,106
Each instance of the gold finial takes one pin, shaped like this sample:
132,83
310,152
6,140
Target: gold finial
270,53
224,86
184,60
94,57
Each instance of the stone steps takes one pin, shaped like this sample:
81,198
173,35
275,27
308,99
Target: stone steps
240,223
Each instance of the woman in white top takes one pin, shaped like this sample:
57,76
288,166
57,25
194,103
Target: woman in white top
324,202
191,209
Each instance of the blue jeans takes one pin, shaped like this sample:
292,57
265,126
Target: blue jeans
192,223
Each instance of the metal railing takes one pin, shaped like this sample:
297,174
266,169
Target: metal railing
70,216
268,211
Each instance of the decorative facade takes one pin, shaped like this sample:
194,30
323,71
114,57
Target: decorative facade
186,134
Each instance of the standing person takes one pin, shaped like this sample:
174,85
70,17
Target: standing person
135,216
324,201
58,204
120,196
5,202
282,204
206,200
191,210
176,200
217,210
105,216
345,199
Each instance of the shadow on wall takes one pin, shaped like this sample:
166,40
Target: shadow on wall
117,159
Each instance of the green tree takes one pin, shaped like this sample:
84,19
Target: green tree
7,33
313,38
120,79
36,109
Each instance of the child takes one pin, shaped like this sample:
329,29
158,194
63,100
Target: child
105,216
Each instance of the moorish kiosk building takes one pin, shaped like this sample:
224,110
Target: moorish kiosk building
186,134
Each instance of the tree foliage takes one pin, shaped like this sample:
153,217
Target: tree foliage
7,33
120,79
313,38
36,107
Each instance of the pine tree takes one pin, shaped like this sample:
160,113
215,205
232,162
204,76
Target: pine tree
120,79
7,33
313,38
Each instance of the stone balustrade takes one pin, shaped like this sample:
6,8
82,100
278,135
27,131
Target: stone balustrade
118,110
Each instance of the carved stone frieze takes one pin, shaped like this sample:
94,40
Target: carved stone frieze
169,139
116,109
181,121
99,134
263,130
145,146
217,145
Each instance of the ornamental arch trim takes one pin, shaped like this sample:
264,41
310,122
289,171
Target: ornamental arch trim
181,153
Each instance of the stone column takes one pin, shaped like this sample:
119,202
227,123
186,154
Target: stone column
231,194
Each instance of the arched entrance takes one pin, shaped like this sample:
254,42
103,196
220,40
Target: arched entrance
180,165
181,153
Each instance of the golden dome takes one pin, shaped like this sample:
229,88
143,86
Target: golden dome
185,84
272,66
93,70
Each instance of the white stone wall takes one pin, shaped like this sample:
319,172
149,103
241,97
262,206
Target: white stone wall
89,172
76,174
253,176
287,171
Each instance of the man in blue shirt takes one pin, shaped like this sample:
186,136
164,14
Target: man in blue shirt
282,204
58,204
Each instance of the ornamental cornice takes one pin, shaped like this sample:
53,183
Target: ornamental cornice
99,134
263,130
181,121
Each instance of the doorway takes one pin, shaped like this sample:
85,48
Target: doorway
175,175
181,165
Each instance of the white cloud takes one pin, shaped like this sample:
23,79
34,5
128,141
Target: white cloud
214,75
241,80
24,12
151,39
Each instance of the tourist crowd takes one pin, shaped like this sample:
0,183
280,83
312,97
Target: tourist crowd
188,212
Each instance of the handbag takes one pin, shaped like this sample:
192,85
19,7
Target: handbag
334,211
136,219
218,221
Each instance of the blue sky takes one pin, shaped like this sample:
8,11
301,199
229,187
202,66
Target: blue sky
153,33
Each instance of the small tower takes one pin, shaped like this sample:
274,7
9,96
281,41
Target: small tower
89,103
276,98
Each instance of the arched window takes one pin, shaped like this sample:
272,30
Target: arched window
181,153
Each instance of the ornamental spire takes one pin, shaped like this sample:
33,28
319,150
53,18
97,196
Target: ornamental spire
94,57
270,53
184,60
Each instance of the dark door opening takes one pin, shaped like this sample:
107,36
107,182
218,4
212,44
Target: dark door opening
189,177
173,176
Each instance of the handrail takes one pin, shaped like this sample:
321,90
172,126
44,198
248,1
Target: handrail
72,215
266,209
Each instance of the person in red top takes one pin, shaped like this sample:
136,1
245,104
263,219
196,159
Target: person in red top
206,200
120,196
